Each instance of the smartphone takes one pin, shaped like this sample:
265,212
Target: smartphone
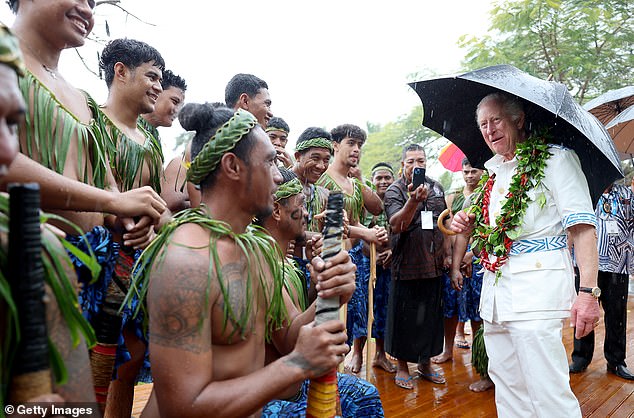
418,177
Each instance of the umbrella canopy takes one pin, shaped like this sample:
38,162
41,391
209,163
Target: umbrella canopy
607,106
449,105
451,157
621,129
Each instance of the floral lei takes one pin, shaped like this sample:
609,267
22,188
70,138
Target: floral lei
532,155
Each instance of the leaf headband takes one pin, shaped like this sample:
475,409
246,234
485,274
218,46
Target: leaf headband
224,140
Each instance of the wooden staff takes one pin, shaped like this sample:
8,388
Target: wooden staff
322,392
31,375
371,282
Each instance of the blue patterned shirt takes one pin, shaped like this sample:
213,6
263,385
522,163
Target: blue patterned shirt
615,230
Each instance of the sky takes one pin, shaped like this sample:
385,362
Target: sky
326,63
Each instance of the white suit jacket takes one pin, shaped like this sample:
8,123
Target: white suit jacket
538,285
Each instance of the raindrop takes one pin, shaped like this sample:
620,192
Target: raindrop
431,114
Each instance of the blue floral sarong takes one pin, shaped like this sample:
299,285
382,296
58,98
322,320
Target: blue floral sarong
91,295
381,297
359,398
465,303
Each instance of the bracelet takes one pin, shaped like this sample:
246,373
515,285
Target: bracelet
10,53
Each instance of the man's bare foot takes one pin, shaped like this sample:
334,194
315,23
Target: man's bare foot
354,366
442,357
481,385
382,362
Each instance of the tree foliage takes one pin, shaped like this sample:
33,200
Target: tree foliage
585,44
385,143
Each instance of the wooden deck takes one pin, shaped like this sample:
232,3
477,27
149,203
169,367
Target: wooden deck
601,394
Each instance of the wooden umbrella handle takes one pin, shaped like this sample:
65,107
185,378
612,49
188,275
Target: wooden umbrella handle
441,222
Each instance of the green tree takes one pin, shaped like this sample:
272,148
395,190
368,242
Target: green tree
446,180
585,44
385,143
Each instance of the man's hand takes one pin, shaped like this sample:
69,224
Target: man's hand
418,195
139,234
290,250
319,348
463,223
335,277
377,235
446,261
143,201
584,315
457,279
284,157
384,258
355,172
314,246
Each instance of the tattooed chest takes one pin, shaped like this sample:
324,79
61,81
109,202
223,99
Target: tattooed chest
239,306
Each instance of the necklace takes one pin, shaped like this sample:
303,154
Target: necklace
50,71
497,240
26,47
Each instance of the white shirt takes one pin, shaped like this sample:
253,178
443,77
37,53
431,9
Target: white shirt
538,285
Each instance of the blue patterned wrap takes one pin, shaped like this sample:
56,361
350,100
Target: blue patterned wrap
91,295
357,319
465,303
359,399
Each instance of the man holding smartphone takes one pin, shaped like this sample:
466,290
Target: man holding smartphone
415,329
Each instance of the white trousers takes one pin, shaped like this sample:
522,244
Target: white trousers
528,364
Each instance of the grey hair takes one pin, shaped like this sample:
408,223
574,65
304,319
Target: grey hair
511,105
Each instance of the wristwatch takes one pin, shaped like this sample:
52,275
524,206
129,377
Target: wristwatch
594,291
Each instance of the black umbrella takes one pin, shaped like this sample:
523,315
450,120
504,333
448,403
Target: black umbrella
449,105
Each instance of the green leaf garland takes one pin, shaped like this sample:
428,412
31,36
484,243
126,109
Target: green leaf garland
532,156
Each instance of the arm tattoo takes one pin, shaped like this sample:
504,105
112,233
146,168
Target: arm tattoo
178,308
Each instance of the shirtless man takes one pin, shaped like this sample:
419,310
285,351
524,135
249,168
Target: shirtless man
343,174
247,92
209,317
169,103
133,73
287,223
44,30
313,151
12,108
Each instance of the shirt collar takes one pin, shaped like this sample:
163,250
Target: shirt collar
494,163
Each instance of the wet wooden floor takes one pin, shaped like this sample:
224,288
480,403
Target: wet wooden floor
600,394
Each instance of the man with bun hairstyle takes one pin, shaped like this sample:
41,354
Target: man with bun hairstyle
209,318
